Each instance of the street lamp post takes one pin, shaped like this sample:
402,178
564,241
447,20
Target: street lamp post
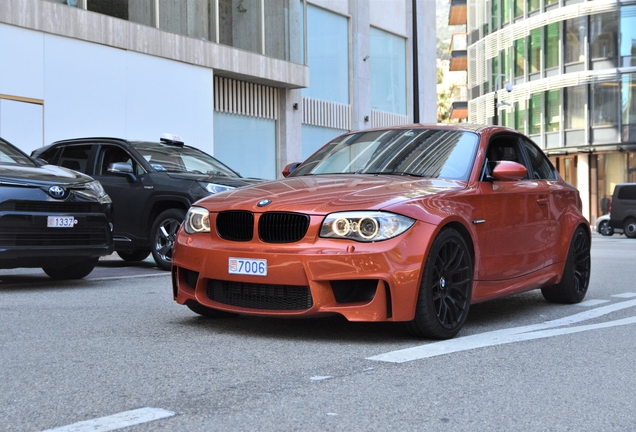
495,119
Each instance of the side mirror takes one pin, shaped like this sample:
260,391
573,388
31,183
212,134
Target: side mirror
509,171
121,168
290,168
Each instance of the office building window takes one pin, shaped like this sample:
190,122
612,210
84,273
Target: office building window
534,113
520,57
534,57
604,104
628,36
520,8
603,35
388,71
327,55
494,10
552,45
575,32
552,111
628,99
520,117
505,11
534,5
574,110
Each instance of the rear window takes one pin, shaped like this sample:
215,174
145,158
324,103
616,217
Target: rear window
627,193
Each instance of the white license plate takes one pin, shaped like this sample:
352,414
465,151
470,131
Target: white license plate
247,266
61,221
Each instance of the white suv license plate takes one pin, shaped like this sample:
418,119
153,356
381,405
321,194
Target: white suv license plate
61,222
247,266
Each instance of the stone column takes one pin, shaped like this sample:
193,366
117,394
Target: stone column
289,129
360,67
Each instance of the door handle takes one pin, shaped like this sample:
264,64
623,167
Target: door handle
543,201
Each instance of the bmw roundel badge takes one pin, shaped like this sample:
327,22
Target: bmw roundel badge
56,191
263,203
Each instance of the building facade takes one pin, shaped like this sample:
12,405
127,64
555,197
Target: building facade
572,66
256,83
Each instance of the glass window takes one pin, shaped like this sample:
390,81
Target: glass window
575,32
534,5
494,9
628,99
239,23
11,156
603,33
549,2
505,11
114,8
388,71
494,69
604,104
520,8
431,153
76,158
327,55
534,113
574,110
520,57
284,20
628,35
315,137
520,117
552,45
506,62
552,111
534,58
541,166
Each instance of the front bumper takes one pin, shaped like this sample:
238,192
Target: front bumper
361,281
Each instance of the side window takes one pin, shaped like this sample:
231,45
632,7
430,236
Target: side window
502,148
51,155
542,169
75,157
627,193
109,154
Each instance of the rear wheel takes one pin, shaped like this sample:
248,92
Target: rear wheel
576,275
629,228
132,256
605,229
73,271
445,290
163,233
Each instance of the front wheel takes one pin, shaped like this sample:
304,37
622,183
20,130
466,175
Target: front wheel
629,228
605,229
73,271
163,234
446,288
576,274
133,256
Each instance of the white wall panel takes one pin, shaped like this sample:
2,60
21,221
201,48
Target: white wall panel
21,52
389,15
21,124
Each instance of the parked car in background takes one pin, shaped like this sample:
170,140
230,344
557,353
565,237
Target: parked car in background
51,217
603,227
152,185
623,214
411,224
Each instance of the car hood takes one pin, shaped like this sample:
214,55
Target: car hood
329,193
43,175
221,180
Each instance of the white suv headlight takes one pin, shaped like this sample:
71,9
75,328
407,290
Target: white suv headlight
197,220
364,226
97,188
214,188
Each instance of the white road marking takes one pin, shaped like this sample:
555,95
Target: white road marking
116,421
128,277
588,303
515,334
320,377
625,295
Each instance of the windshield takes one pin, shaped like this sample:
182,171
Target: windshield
175,159
11,156
432,153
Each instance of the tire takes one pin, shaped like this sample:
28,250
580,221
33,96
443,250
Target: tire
629,228
445,290
162,236
133,256
207,312
576,274
73,271
605,229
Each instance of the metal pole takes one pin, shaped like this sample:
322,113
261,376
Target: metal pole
495,118
416,74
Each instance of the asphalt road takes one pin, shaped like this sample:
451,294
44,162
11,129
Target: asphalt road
115,342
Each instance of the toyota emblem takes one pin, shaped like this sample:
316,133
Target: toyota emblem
56,191
263,203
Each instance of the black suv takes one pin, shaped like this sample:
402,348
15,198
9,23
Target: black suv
152,185
51,217
623,213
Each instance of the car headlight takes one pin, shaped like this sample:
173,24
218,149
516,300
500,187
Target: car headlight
364,226
214,188
197,220
96,188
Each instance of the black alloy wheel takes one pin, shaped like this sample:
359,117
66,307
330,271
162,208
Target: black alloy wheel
576,274
629,228
605,229
446,288
164,232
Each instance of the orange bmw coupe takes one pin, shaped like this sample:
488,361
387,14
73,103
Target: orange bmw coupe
408,224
